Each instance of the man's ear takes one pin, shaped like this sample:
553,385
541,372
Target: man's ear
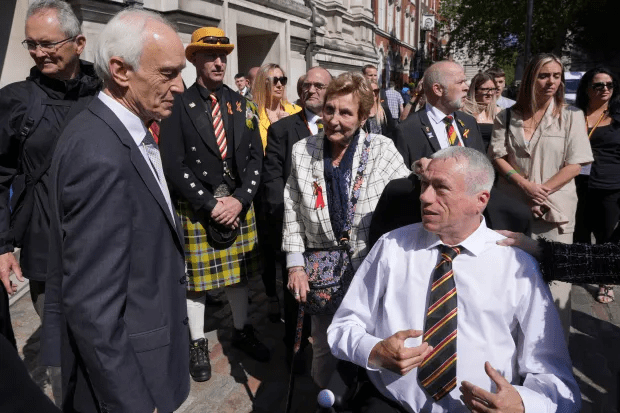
482,199
80,42
437,89
119,70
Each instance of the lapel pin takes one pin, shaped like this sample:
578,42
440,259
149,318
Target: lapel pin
192,105
229,108
428,129
238,106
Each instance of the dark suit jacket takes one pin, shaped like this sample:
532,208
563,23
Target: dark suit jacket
115,294
414,137
190,155
399,204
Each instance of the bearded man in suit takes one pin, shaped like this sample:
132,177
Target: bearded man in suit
115,315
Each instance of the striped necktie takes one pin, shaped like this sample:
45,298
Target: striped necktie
218,126
453,139
437,374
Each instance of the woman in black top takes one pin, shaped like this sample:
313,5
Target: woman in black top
480,103
599,98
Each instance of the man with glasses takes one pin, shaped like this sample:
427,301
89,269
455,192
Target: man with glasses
281,136
212,157
32,115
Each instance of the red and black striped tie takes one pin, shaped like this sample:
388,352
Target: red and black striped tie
218,126
437,374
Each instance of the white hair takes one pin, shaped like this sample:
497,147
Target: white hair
124,36
478,171
69,23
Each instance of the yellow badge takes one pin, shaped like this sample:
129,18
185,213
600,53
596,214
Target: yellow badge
238,106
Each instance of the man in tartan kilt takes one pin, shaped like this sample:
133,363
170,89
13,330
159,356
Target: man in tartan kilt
212,157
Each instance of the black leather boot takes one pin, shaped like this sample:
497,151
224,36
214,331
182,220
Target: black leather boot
199,365
246,341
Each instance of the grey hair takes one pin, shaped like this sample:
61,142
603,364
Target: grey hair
124,37
69,23
436,73
479,172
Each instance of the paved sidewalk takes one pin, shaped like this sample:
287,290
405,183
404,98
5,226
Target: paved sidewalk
240,384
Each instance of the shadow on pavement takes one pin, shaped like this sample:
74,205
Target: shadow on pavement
596,361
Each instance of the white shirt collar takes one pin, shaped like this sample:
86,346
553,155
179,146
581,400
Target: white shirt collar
311,117
435,115
475,243
132,123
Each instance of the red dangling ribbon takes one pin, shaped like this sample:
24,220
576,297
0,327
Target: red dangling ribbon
318,191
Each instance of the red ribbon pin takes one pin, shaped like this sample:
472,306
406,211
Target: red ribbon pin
318,191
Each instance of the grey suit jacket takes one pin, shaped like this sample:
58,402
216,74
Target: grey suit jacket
115,312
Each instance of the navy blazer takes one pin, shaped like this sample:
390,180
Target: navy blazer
190,155
414,137
115,310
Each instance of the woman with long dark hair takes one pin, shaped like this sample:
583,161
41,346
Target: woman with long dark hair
598,96
538,147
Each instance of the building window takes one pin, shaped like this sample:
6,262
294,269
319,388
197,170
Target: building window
381,14
390,18
397,31
406,33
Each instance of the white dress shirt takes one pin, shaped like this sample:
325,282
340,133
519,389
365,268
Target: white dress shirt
137,130
504,102
439,127
312,119
505,316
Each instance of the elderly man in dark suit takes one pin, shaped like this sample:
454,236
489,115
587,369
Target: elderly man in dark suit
437,126
115,314
212,157
281,136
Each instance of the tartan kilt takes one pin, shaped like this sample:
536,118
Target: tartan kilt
209,268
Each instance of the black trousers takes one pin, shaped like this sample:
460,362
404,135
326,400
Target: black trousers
6,329
583,224
604,212
369,400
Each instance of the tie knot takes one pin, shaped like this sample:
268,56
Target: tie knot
449,253
448,119
148,139
213,98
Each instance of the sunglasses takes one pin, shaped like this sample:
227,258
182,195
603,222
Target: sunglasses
215,40
602,85
274,80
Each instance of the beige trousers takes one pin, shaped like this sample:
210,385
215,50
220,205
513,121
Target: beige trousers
323,363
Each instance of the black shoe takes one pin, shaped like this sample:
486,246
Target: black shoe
273,311
199,365
246,341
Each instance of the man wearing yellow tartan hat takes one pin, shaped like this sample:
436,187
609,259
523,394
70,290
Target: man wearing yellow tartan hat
212,156
445,320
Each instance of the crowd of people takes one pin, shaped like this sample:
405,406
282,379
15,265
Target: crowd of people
392,222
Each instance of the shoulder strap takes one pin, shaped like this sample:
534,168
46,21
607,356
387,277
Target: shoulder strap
30,121
508,113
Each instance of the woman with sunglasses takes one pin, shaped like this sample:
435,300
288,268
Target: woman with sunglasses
480,103
599,98
269,93
378,122
538,147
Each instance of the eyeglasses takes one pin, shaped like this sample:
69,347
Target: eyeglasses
602,85
274,80
45,46
486,91
317,86
215,40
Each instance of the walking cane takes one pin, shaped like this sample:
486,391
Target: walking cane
291,380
